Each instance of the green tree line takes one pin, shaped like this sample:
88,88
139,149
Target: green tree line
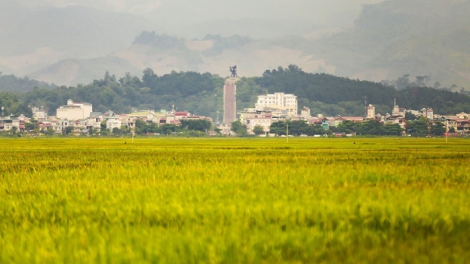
202,94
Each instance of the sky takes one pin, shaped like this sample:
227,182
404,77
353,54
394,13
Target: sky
318,11
41,32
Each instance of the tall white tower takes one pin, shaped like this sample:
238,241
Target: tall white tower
370,111
230,100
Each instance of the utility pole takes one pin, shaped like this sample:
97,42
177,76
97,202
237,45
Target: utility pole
133,133
365,104
287,131
447,128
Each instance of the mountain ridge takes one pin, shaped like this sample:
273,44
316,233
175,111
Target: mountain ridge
388,40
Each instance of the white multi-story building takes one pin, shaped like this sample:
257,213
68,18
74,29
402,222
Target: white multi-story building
10,122
305,113
39,113
370,111
429,113
113,122
74,111
280,101
397,111
251,117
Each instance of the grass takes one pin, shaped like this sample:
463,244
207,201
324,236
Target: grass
234,201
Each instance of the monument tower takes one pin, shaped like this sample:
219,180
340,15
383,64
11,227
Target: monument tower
230,99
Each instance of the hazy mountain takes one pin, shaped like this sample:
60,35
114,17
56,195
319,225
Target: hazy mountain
398,37
36,34
33,38
386,41
188,18
165,54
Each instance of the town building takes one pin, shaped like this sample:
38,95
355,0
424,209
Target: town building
305,113
9,123
73,110
397,111
428,113
113,122
252,117
144,115
39,113
280,101
370,112
459,123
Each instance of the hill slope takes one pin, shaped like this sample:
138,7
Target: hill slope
388,40
165,54
34,37
202,93
398,37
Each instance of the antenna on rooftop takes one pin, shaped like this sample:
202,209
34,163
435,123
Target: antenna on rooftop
365,103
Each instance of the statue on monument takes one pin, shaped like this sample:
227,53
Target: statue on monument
233,70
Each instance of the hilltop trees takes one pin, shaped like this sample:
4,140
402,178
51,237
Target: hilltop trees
13,104
296,128
327,89
201,93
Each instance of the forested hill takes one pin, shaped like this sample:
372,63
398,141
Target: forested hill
393,38
14,84
201,94
329,94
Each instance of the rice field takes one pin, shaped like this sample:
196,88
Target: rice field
220,200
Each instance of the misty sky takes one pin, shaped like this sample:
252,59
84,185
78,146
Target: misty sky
39,33
317,11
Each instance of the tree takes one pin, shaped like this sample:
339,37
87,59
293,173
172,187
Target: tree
315,130
103,125
410,116
438,129
258,130
149,78
202,125
297,127
278,128
238,128
402,82
419,128
68,130
48,132
372,127
422,80
116,131
167,129
139,126
348,126
392,130
32,125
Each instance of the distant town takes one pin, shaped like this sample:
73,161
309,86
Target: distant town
79,119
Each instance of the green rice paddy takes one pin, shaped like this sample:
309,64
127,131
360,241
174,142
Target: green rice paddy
218,200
